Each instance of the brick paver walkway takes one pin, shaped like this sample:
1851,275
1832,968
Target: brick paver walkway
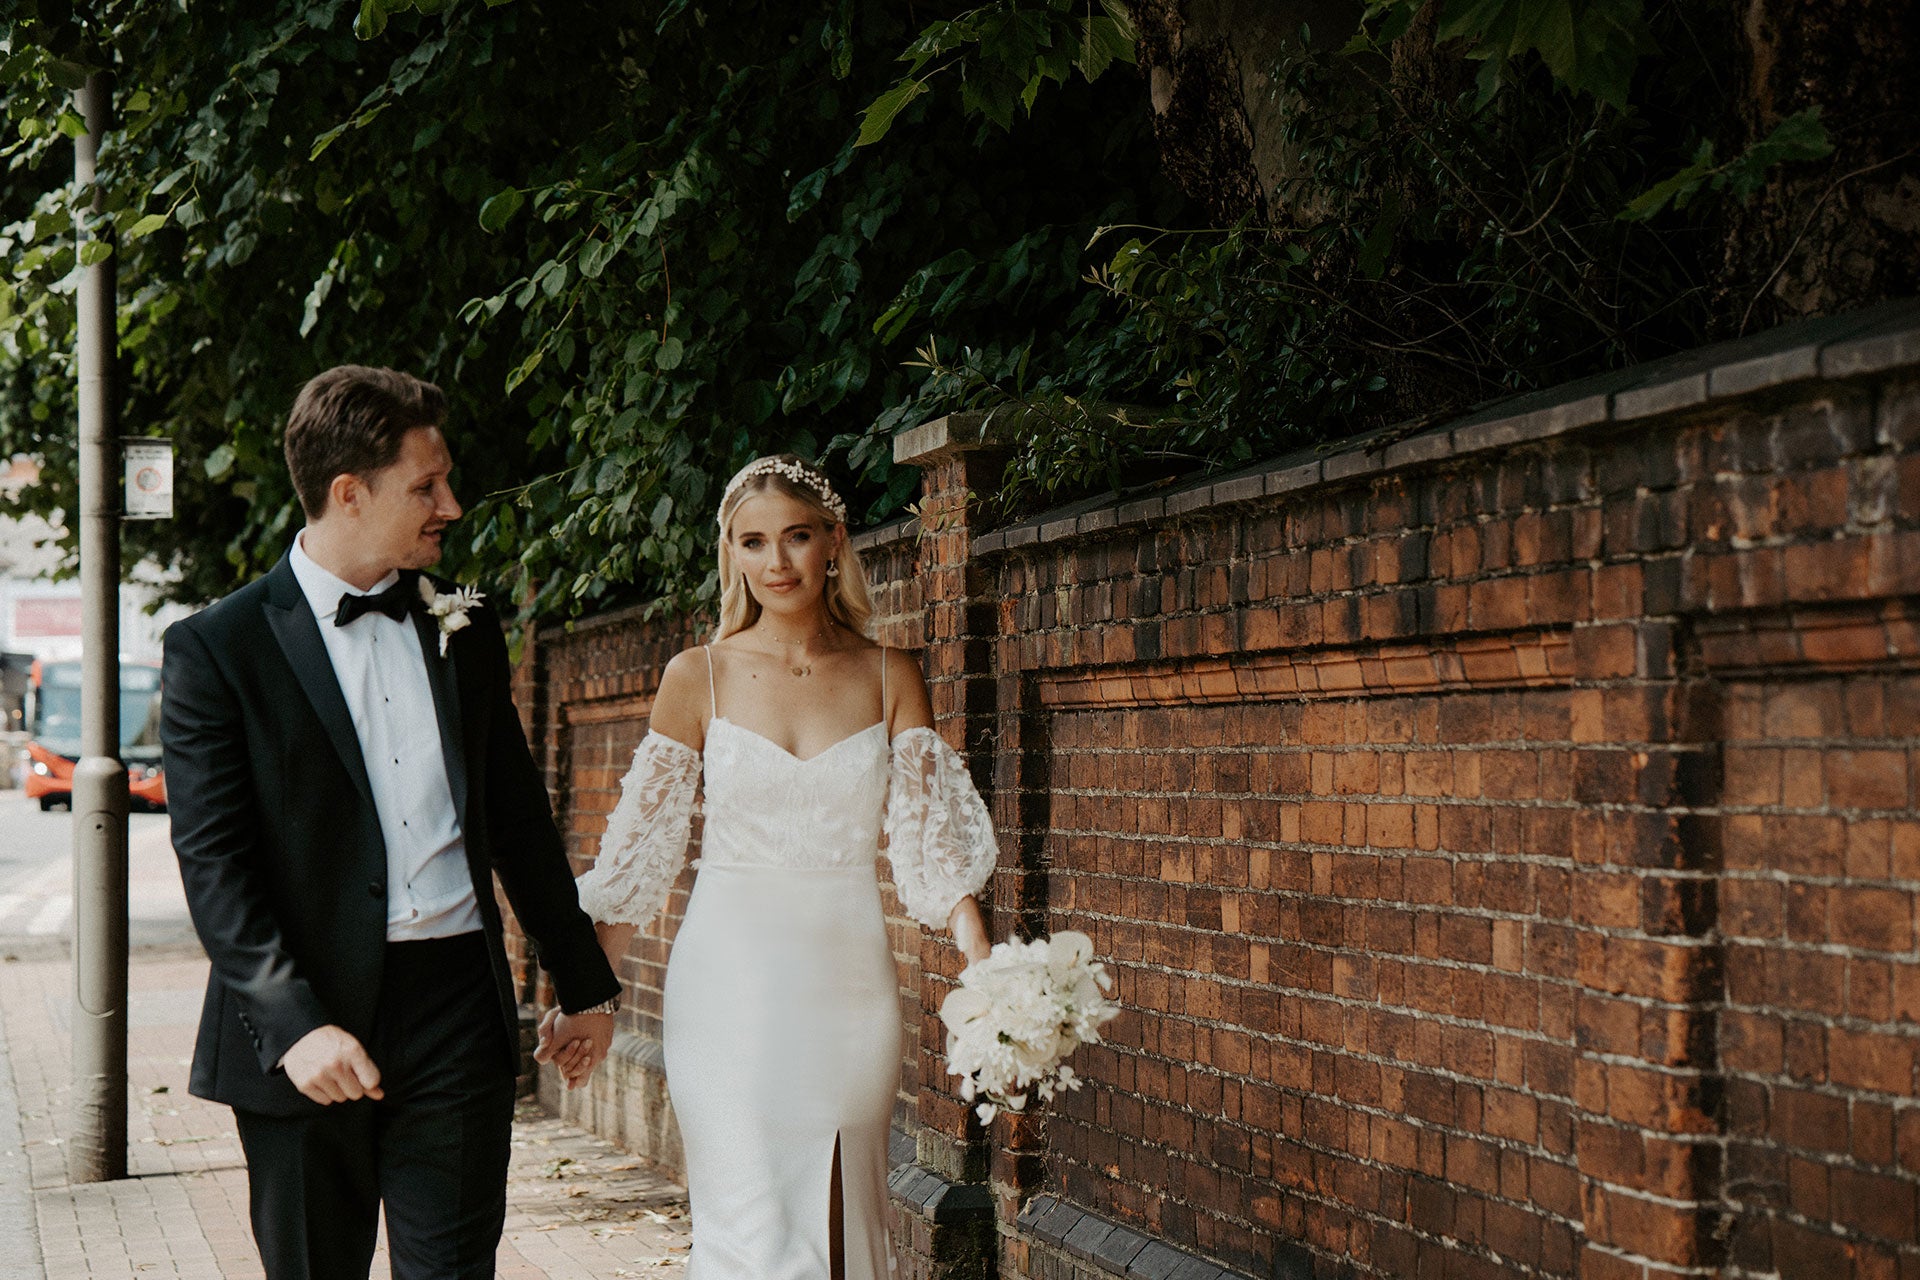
578,1209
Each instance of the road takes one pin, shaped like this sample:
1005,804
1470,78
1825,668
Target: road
36,880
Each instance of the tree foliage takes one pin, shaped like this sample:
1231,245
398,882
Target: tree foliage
639,244
635,243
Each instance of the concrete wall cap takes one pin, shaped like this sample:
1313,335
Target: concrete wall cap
1871,340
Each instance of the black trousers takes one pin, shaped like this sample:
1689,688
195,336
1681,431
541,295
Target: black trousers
434,1150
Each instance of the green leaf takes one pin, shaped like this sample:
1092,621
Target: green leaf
881,112
594,258
500,208
1678,189
72,125
220,462
66,74
147,225
1799,137
372,20
525,370
670,354
1104,42
95,251
1589,46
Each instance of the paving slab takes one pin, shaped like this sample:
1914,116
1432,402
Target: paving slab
577,1207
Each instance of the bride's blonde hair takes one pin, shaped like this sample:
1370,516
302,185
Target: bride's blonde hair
846,597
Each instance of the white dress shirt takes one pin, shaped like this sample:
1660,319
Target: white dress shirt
382,671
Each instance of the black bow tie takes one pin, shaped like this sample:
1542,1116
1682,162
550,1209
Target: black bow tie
392,602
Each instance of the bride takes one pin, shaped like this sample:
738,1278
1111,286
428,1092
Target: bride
782,1020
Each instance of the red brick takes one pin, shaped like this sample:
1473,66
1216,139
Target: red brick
1867,779
1869,849
1666,1233
1804,711
1877,919
1869,1060
1663,1101
1752,776
1811,846
1751,1042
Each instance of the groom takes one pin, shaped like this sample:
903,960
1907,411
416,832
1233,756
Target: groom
342,797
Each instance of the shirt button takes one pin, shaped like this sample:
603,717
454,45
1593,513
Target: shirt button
375,889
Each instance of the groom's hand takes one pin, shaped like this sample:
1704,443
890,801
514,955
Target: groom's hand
328,1065
575,1043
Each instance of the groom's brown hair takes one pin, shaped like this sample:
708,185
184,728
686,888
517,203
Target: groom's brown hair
350,420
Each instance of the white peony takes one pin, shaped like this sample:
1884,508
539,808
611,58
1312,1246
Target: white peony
1016,1016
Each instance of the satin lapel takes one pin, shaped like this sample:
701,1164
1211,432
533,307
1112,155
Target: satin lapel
298,632
446,708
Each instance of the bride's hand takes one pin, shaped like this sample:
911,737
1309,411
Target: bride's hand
574,1060
969,928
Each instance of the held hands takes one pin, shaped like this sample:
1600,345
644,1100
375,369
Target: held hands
575,1043
328,1065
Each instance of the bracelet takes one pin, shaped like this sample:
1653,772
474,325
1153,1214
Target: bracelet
605,1006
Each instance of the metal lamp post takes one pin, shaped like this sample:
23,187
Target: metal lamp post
97,1150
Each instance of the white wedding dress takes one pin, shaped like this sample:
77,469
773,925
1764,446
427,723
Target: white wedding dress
782,1011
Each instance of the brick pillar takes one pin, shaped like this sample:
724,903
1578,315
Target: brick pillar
529,687
1645,1089
949,1198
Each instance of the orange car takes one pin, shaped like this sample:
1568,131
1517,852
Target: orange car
53,721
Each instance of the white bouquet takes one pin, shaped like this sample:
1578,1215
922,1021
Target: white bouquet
1016,1016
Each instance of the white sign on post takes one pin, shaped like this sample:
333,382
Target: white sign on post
149,478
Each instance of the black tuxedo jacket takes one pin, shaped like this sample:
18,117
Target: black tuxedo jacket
280,848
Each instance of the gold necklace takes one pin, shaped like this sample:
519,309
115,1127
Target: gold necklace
801,668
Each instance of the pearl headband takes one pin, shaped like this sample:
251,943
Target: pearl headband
793,472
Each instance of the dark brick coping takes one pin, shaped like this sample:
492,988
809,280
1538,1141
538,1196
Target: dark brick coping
1116,1249
633,613
936,1199
1872,340
886,535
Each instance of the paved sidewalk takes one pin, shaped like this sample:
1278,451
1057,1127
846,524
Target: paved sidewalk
578,1209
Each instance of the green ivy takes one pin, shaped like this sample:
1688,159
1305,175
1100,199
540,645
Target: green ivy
639,244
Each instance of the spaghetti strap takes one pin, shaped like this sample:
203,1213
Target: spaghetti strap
886,712
713,700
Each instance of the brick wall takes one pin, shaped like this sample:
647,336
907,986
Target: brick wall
1504,837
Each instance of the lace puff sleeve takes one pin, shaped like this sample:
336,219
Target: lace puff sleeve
939,837
646,838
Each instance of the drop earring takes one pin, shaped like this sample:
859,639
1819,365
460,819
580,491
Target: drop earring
833,570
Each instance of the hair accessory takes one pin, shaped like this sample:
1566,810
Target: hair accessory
792,471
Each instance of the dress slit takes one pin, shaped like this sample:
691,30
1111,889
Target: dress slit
836,1219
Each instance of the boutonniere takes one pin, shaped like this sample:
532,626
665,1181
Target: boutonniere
449,610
